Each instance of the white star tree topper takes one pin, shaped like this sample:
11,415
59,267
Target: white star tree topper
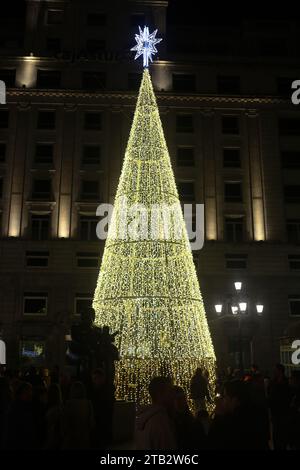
146,45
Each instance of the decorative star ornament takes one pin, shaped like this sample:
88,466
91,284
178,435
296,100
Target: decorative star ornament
145,45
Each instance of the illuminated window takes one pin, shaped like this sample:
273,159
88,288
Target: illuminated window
35,303
33,352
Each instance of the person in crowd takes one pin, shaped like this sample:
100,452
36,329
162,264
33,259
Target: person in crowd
190,433
53,418
39,404
199,390
279,399
235,425
154,427
20,430
5,402
77,420
102,399
294,412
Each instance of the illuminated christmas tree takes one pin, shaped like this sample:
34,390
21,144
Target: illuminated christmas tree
147,288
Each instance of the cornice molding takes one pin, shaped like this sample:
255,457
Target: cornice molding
26,95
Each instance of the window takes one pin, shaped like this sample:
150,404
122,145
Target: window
88,225
8,76
293,230
184,82
88,260
230,125
37,259
41,189
134,81
137,19
46,120
284,86
95,46
93,121
185,123
292,193
228,85
290,159
289,127
83,302
35,303
94,80
234,229
40,227
90,190
186,191
294,304
91,155
48,79
55,17
185,156
4,117
44,153
33,352
53,45
236,261
233,191
96,19
231,158
294,262
2,152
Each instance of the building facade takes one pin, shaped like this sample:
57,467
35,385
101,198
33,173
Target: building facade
233,136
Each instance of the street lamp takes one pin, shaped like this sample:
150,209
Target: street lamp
237,306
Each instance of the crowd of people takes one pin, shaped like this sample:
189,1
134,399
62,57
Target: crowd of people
43,409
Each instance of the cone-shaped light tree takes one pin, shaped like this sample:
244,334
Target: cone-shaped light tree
147,288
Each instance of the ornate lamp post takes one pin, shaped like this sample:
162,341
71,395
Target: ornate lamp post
237,306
